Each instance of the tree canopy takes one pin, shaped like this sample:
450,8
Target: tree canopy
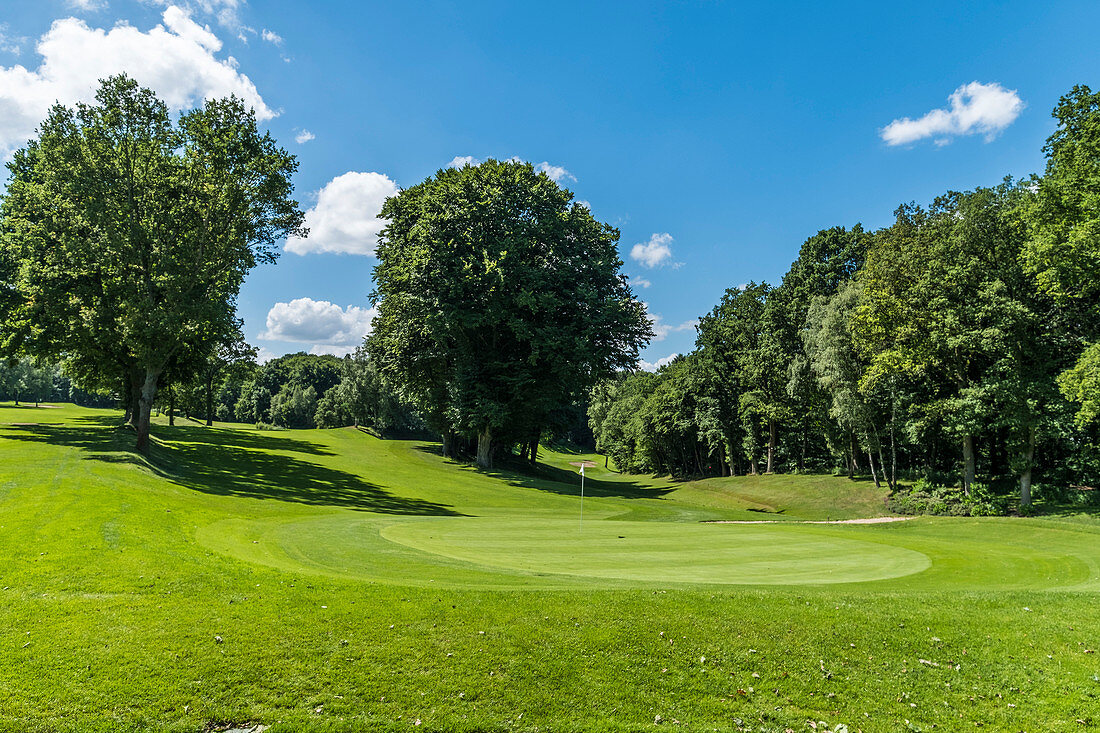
499,299
130,235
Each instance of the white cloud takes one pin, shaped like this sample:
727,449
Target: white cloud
661,330
461,161
654,366
345,219
264,355
304,137
974,108
175,59
585,204
653,253
10,44
272,37
318,322
640,282
341,351
555,172
87,5
225,11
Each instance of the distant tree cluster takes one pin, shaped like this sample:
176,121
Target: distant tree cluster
293,391
959,344
21,380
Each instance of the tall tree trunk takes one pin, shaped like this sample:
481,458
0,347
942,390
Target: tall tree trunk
171,406
1025,474
871,463
534,446
145,408
893,460
448,444
853,453
137,380
882,467
752,465
893,446
771,446
968,463
485,448
209,400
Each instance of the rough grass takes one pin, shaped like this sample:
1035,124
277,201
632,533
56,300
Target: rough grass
326,580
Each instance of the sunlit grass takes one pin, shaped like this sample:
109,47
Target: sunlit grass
315,559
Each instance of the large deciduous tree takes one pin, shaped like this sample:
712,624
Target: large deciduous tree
132,235
499,299
1064,247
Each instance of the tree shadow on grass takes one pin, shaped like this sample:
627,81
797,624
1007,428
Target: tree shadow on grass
552,479
214,462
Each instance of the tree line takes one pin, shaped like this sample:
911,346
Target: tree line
21,380
959,344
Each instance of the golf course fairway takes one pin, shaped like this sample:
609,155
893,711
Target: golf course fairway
327,580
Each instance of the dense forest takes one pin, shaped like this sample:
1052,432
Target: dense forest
956,347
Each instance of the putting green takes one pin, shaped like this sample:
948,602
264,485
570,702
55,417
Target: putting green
660,552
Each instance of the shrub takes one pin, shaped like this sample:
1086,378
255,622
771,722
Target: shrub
927,497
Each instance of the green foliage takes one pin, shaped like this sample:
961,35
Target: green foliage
1081,384
498,301
131,235
361,398
1064,249
294,406
928,497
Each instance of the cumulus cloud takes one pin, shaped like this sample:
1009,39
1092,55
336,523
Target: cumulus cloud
272,37
345,219
318,322
304,136
973,108
661,330
176,59
640,282
555,172
653,253
654,366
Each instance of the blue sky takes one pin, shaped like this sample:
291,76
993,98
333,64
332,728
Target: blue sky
717,135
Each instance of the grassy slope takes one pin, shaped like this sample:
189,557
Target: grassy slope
119,573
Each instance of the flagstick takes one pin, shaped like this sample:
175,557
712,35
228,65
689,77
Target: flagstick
582,497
